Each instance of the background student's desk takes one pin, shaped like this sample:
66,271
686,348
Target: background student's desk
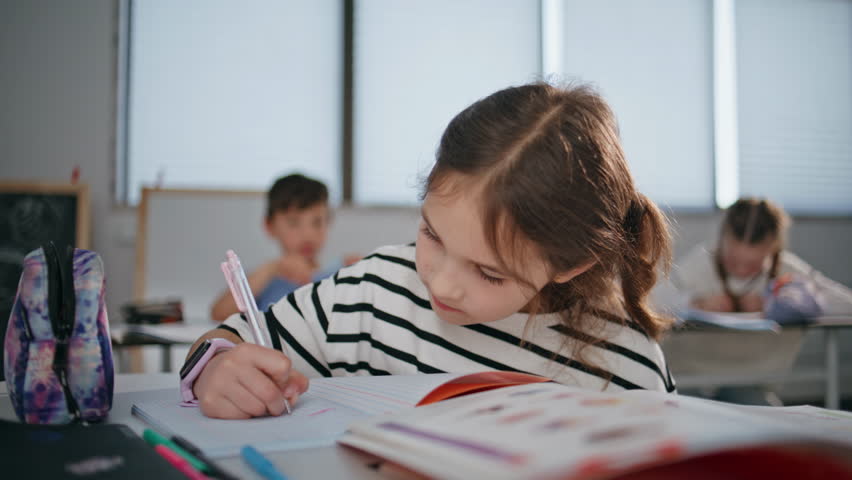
765,358
166,336
328,462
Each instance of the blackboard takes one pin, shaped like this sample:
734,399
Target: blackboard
31,214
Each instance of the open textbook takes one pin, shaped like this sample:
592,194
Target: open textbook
554,431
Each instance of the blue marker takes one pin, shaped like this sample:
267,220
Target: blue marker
261,464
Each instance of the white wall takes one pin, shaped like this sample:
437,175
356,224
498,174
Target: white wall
57,110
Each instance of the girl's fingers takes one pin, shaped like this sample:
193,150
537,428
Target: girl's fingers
272,362
296,385
264,389
222,407
245,400
235,410
254,381
277,367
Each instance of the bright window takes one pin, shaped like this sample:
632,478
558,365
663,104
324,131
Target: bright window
652,61
794,64
417,64
231,95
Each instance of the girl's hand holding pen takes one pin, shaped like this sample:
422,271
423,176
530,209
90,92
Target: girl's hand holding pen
248,381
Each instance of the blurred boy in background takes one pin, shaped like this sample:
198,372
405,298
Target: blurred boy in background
297,218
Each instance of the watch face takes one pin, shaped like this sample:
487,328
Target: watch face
193,359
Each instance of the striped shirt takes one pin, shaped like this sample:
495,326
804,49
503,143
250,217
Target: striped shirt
374,318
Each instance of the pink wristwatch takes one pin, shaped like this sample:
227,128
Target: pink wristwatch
195,364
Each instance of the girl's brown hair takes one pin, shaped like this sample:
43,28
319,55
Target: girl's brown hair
753,221
552,175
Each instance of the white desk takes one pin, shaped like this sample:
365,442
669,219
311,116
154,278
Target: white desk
764,358
328,462
165,336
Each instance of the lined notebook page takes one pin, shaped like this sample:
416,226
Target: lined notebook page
318,419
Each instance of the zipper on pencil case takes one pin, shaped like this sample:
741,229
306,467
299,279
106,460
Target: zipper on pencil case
61,308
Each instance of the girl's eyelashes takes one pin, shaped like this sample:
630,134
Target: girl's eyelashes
490,279
428,233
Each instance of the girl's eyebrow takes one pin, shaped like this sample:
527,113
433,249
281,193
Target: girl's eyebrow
478,264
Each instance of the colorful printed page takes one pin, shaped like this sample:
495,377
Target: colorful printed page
554,431
322,414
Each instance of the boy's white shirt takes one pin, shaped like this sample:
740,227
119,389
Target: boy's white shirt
302,324
694,276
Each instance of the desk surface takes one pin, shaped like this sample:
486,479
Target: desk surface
328,462
166,333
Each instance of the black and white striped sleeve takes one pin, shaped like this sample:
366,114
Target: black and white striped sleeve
297,325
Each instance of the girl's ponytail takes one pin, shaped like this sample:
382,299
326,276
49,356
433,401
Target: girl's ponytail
647,246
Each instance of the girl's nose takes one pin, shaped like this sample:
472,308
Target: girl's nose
446,283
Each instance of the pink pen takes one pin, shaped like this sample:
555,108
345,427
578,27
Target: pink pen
244,298
179,463
241,285
229,277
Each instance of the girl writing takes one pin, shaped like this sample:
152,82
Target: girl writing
535,253
733,276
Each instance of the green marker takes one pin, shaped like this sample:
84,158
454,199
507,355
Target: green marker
154,439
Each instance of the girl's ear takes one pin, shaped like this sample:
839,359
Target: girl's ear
567,275
267,225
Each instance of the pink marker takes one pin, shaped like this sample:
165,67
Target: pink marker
179,463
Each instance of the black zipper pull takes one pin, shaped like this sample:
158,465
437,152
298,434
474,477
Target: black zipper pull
54,292
62,310
61,371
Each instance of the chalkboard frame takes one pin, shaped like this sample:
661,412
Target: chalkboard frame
82,228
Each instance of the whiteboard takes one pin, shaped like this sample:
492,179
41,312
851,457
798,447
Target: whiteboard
183,236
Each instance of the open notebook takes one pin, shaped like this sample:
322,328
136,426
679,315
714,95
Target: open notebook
322,414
